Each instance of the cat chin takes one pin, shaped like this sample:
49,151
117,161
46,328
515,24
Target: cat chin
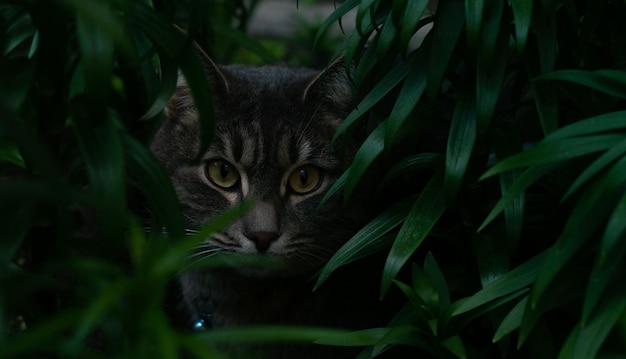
261,266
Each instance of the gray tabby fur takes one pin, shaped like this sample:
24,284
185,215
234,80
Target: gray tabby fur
269,120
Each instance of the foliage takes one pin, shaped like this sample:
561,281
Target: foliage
500,139
524,209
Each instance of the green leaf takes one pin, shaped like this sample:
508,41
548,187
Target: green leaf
516,189
412,14
407,99
490,64
436,277
598,165
156,185
460,144
556,151
522,13
611,82
283,334
608,122
386,37
408,165
512,321
379,91
447,28
371,148
518,278
425,212
588,215
492,256
102,151
369,236
97,49
607,262
585,341
342,10
455,346
404,335
10,153
473,21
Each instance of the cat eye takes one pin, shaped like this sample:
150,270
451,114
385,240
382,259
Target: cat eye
305,179
222,174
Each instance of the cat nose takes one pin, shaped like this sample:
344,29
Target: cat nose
262,240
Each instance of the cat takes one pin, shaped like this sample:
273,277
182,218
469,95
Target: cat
271,146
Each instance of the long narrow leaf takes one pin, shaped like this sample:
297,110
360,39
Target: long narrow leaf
366,238
520,277
426,211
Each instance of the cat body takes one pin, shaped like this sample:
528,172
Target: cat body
272,147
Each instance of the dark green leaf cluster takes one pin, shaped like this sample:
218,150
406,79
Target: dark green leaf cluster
499,145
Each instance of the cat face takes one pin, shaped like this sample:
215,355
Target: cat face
271,147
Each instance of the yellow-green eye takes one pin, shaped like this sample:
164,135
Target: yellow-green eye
305,179
222,173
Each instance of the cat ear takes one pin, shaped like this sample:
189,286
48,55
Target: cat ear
332,86
181,101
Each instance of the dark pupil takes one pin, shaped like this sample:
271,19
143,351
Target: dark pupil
225,170
304,177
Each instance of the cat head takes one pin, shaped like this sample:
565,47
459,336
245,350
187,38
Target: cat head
272,146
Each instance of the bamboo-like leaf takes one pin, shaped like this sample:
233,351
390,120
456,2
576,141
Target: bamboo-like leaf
612,82
460,144
612,253
174,44
408,165
425,212
343,9
522,13
411,17
404,335
588,215
379,91
97,57
512,321
518,278
155,184
455,346
598,165
447,28
473,21
388,35
612,121
368,237
363,159
585,340
492,256
555,151
527,178
407,99
490,64
102,151
434,273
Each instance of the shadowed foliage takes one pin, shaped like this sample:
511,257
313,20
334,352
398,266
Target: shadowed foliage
498,146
